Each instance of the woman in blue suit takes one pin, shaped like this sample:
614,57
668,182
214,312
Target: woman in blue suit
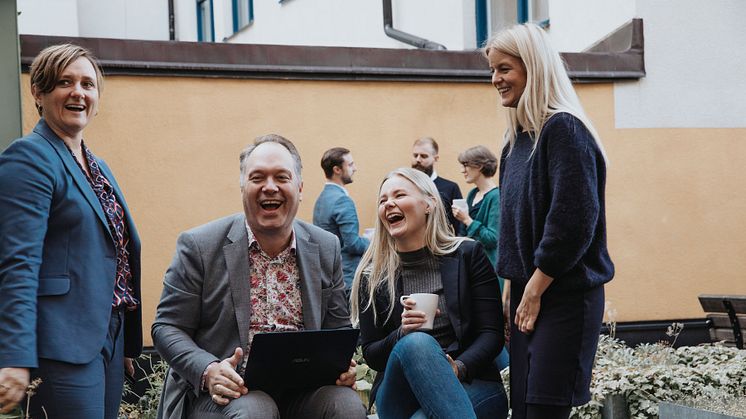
70,307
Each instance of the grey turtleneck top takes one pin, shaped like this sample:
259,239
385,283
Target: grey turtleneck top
421,273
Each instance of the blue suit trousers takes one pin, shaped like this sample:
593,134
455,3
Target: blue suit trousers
86,391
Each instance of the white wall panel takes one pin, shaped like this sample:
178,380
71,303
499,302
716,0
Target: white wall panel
357,23
695,59
577,24
40,17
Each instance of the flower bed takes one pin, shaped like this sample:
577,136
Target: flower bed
653,373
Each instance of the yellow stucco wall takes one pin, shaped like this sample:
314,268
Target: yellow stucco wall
675,214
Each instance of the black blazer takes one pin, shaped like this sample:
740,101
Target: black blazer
448,192
474,308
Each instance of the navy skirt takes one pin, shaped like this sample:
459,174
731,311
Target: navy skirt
553,365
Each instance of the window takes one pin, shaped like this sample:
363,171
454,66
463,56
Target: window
243,13
205,19
493,15
536,11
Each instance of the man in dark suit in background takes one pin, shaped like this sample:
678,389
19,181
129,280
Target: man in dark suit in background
424,156
255,272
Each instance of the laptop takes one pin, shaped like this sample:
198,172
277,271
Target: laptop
294,360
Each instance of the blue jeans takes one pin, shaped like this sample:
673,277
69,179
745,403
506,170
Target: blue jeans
419,382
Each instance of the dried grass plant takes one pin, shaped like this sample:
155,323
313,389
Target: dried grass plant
146,406
30,391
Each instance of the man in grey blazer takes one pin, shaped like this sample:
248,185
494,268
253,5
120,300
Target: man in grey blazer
245,274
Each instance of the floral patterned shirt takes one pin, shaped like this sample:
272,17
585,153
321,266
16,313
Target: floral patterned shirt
275,300
275,290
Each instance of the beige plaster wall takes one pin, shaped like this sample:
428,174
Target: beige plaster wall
674,207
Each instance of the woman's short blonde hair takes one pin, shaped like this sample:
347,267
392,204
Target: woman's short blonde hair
52,61
480,157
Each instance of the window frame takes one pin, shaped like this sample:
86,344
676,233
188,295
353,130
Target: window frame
237,26
201,36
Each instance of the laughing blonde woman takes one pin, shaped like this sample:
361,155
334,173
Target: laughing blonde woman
447,371
552,246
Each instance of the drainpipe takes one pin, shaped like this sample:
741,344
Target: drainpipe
407,38
171,21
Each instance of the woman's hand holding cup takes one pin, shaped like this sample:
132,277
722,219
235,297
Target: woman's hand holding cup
419,312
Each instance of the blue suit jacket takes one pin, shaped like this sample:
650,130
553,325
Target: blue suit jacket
335,212
57,257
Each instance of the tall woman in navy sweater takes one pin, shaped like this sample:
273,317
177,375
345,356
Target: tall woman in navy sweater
552,244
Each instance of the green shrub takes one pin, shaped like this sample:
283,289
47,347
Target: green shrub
146,406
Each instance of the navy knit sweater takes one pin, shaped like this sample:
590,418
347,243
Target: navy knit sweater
553,208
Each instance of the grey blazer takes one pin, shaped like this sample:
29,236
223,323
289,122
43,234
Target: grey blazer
204,312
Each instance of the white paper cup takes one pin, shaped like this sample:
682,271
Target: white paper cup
461,205
427,303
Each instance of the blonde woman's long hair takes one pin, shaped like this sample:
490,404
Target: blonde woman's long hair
548,87
380,263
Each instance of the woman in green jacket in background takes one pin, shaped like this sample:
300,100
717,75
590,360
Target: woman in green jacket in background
482,220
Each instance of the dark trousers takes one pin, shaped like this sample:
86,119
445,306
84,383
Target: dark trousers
87,391
327,402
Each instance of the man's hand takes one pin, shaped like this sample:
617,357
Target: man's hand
13,383
223,382
348,377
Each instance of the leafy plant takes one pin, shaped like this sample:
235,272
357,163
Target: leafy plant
718,402
651,373
710,376
146,406
17,413
365,374
364,377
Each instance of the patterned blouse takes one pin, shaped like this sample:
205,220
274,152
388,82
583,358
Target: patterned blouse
275,290
123,293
